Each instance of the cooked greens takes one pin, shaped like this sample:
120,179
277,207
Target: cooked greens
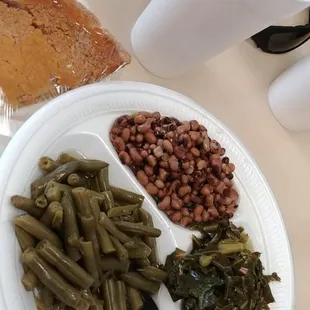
220,273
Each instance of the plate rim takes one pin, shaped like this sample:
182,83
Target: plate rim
21,138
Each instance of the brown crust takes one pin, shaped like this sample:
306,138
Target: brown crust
48,43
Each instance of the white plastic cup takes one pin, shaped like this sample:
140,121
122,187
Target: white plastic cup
289,97
173,36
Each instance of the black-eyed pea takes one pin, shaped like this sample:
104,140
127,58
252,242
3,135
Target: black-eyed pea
135,156
124,157
205,190
198,210
165,203
175,204
185,212
205,216
149,171
151,189
144,153
197,218
116,130
186,199
139,137
125,135
151,160
139,119
184,190
142,177
119,144
150,137
160,184
222,209
194,125
167,145
185,221
176,217
213,212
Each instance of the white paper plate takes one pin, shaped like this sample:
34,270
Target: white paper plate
80,120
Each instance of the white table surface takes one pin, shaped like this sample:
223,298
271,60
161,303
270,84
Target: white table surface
233,86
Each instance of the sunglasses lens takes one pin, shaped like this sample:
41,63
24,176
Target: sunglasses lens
282,42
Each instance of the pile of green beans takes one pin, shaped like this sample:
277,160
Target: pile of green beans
85,243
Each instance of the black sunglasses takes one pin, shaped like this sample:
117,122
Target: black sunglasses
282,39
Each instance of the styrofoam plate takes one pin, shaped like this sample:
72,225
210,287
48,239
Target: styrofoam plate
80,120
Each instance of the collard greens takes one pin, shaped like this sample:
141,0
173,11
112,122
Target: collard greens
220,273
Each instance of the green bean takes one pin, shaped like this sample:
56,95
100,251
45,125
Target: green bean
136,217
58,219
139,253
47,164
46,297
124,195
53,194
28,205
147,220
81,200
98,196
97,306
142,263
65,158
37,229
77,179
154,273
137,244
112,292
86,165
121,251
126,218
41,202
84,305
90,262
138,229
134,298
91,165
95,209
121,295
112,229
107,296
111,263
30,280
51,279
103,179
59,174
108,200
70,226
94,184
48,217
62,187
104,240
123,210
94,303
24,239
89,228
59,306
137,249
74,242
65,265
137,281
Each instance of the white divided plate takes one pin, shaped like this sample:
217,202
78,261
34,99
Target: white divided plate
80,120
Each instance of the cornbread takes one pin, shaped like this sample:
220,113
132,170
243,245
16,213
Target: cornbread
45,44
